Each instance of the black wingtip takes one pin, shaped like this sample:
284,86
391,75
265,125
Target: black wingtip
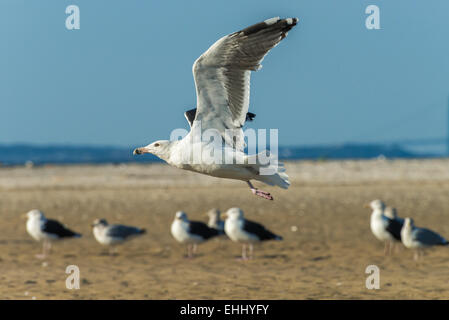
444,243
286,25
250,116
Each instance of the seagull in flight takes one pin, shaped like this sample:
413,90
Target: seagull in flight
222,81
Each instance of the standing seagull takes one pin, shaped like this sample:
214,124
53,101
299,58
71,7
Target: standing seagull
239,229
113,234
214,220
420,238
46,230
222,80
392,214
384,228
191,232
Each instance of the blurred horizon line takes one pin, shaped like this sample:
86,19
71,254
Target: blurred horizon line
30,153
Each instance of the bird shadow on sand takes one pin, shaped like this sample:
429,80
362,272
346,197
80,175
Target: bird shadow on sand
15,241
134,254
108,254
196,256
319,258
265,256
274,256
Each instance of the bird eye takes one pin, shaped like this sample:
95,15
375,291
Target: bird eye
156,144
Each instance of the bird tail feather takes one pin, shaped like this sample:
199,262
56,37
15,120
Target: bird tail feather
271,171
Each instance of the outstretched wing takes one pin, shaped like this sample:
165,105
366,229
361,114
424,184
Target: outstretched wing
222,76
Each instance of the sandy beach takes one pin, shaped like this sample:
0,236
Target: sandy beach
327,240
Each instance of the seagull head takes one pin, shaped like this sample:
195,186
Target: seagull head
408,223
391,212
376,205
159,148
99,223
214,217
214,213
234,213
35,214
181,215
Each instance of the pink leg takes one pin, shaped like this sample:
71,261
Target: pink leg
387,248
392,244
43,255
416,256
244,252
190,251
243,257
260,193
397,248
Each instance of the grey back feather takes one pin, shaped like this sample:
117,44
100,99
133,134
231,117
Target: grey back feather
121,231
428,237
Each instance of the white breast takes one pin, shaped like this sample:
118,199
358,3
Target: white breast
407,239
234,230
206,158
179,232
378,227
33,228
100,235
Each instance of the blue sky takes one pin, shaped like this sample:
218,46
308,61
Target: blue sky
125,77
